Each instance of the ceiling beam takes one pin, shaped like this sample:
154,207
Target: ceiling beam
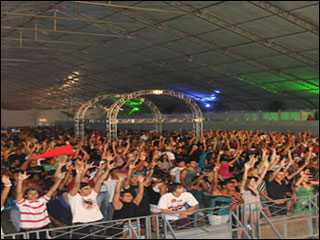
290,17
36,30
211,17
165,11
214,19
80,19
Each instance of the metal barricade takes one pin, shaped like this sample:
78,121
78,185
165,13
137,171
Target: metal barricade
246,221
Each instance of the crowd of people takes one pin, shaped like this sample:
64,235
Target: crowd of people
144,173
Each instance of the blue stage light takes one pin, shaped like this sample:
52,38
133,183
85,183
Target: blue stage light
206,99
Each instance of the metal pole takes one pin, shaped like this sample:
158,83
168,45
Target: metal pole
131,7
20,39
35,32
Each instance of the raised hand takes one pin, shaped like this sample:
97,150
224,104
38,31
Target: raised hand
63,162
109,157
69,166
156,155
5,180
247,166
266,163
59,175
252,160
140,179
264,151
79,169
283,163
111,165
132,166
143,156
88,166
23,176
217,167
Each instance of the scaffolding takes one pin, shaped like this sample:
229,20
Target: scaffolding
79,119
196,113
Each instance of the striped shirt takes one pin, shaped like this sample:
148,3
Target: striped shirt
262,187
33,214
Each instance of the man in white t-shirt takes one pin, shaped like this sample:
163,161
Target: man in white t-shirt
83,198
177,204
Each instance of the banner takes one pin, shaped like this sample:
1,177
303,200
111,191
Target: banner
58,151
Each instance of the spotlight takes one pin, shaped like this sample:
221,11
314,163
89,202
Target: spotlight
217,91
157,92
207,105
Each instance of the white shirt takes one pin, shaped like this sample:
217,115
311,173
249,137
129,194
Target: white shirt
84,209
251,201
169,202
170,155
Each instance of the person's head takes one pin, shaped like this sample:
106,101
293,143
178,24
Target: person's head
126,197
280,176
164,158
19,151
194,147
33,163
31,194
235,183
130,156
251,183
35,177
52,161
181,164
193,164
168,148
85,189
176,189
253,173
134,180
307,171
120,150
179,150
227,185
143,155
224,159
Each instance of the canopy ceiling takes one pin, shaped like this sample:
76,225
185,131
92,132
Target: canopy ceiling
255,52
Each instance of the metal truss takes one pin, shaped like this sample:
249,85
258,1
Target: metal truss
211,17
79,118
196,119
290,17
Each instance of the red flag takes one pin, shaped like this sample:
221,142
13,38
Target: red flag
58,151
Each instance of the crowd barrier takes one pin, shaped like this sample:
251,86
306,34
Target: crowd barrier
216,222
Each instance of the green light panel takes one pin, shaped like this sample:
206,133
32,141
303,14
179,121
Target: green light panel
292,86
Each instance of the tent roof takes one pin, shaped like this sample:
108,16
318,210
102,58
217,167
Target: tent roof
256,52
